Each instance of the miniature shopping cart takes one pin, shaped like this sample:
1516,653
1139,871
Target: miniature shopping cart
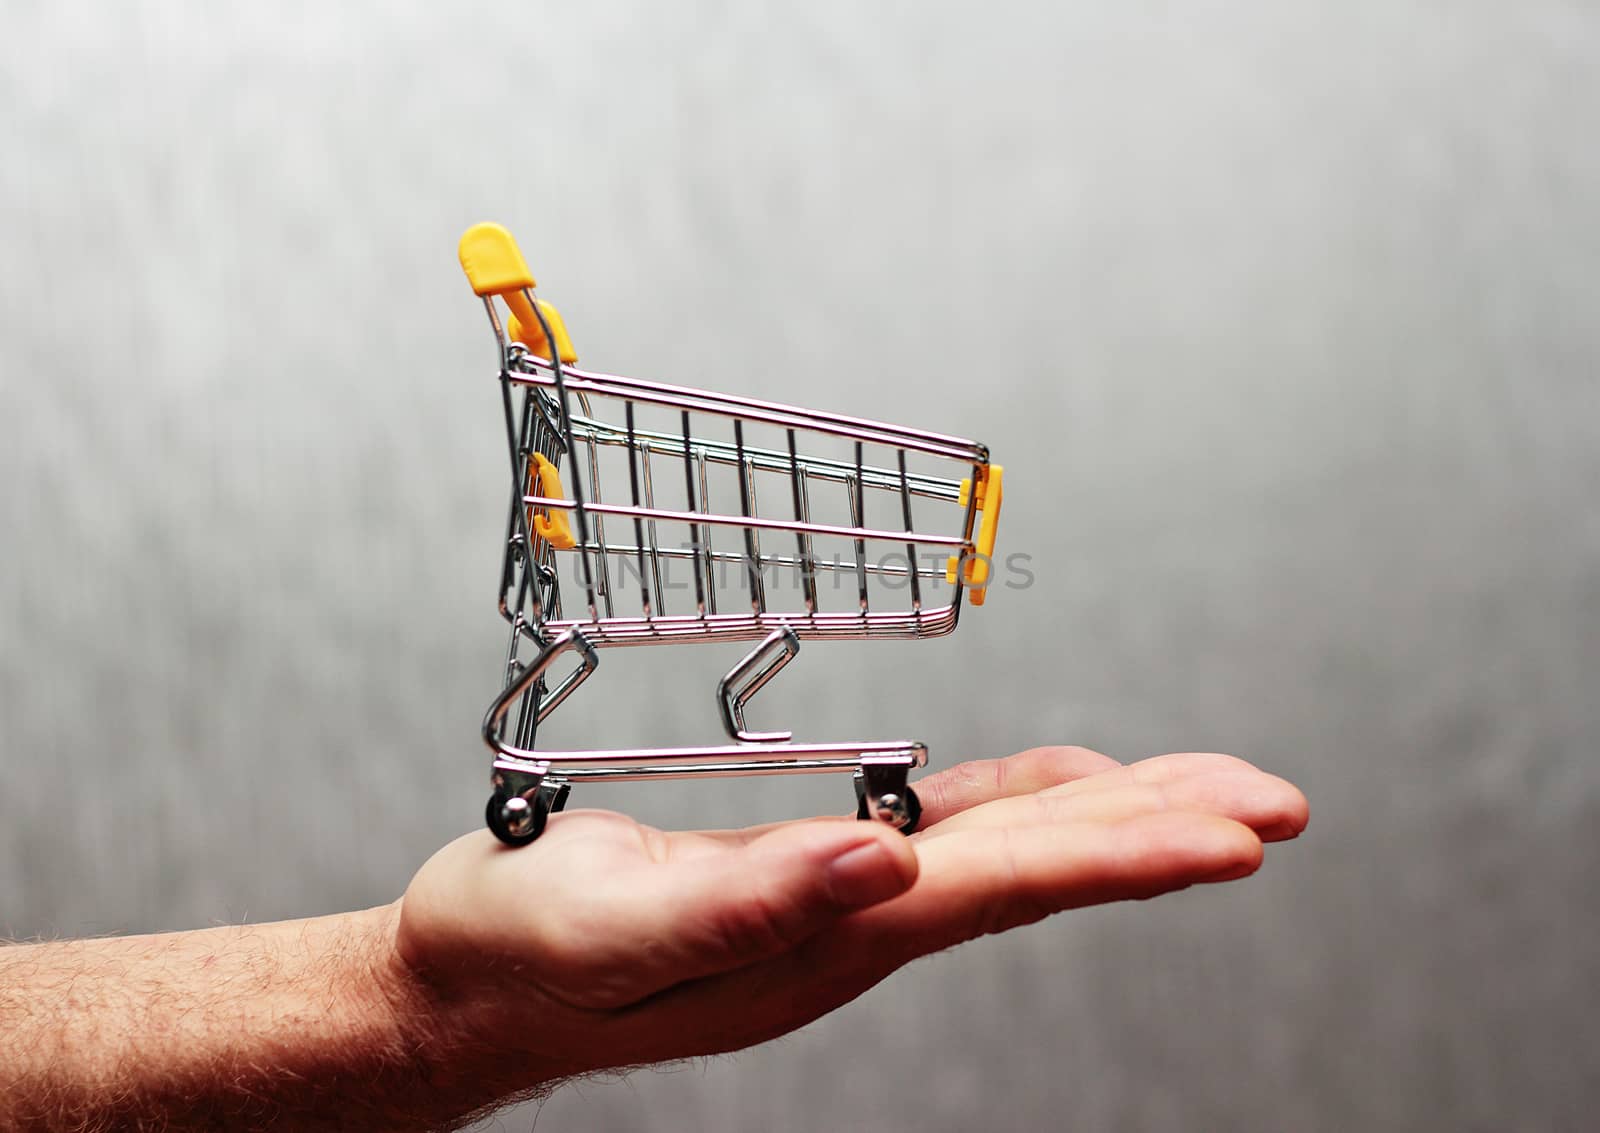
673,516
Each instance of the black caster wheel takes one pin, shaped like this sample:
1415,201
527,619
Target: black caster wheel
913,810
524,822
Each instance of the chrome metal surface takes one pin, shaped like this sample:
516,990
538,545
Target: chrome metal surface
729,759
748,677
517,813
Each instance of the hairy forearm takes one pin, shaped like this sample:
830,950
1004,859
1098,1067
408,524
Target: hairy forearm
304,1024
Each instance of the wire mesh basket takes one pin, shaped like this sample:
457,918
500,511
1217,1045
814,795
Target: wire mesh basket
686,516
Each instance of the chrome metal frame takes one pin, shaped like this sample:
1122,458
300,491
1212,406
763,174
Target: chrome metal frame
537,397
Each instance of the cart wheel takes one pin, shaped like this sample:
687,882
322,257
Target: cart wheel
913,810
524,822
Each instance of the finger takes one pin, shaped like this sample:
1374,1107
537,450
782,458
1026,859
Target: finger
978,781
1263,802
973,883
632,934
968,784
1169,768
1157,769
989,880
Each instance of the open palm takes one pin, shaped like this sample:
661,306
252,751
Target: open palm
610,943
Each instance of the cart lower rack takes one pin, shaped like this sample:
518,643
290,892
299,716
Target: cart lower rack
669,515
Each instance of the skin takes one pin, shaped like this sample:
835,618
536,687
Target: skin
606,944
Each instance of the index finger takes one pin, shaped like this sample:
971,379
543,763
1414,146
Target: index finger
966,785
969,784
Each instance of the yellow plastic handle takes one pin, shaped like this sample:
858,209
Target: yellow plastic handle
492,261
978,568
494,266
552,528
531,334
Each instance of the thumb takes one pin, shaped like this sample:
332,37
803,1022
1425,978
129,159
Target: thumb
701,916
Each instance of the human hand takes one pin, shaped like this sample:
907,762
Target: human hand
608,943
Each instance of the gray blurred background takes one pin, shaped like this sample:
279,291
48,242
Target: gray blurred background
1281,315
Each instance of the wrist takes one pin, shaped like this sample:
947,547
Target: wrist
458,1026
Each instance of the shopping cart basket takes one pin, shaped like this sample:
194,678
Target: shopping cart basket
735,520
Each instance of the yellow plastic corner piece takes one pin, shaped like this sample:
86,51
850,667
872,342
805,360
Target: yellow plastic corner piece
492,261
532,335
990,494
552,528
